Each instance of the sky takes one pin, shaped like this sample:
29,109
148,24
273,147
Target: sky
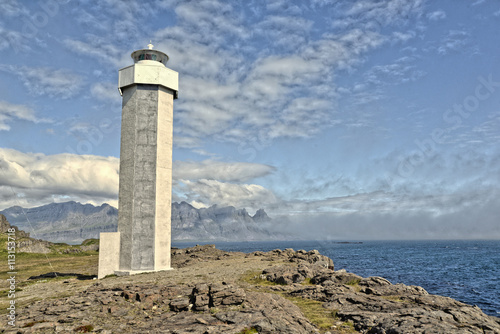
359,119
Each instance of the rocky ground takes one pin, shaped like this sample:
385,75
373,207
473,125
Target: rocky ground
212,291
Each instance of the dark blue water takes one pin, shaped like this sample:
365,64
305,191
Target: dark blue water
468,271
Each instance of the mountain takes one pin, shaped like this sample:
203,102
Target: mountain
73,222
69,222
218,223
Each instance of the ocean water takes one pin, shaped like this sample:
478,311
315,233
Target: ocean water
468,271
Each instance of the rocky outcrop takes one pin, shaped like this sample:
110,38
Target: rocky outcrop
196,298
23,241
205,308
373,305
5,227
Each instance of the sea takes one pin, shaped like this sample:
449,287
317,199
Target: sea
468,271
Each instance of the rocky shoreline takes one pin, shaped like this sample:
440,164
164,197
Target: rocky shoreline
213,291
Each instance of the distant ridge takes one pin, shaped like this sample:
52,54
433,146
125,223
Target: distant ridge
73,222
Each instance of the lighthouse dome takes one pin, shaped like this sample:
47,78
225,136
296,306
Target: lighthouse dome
149,55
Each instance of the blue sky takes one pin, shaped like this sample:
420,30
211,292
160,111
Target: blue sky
343,119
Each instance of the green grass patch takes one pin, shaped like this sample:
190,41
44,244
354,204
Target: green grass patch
32,264
255,278
353,282
88,242
307,281
250,330
313,310
394,298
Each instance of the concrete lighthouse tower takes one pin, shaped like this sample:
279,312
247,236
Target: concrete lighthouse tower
143,240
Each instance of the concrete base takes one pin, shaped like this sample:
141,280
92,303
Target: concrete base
109,253
135,272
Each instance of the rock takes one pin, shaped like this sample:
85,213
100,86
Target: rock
201,299
202,302
225,295
374,305
180,304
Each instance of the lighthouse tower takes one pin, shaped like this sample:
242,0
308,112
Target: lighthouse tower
143,240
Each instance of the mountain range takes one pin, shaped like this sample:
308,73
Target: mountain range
73,222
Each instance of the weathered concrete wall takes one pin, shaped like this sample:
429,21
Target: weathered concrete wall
109,247
145,178
164,179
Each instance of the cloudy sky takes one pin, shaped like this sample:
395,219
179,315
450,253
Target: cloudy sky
342,119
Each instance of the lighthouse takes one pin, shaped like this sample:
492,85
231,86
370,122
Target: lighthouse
143,241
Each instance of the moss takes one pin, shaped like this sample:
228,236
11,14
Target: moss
315,312
5,293
307,281
250,330
324,319
254,278
347,327
394,298
353,282
88,242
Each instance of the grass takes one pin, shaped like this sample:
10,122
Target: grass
307,281
313,310
60,259
324,319
354,283
28,264
34,264
250,330
254,278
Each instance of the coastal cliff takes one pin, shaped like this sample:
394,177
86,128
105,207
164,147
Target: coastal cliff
214,291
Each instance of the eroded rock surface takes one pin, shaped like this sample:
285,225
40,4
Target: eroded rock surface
375,306
206,294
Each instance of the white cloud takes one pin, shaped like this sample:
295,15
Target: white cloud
382,13
455,41
209,192
12,39
289,32
106,91
38,179
218,170
9,112
186,142
12,8
100,49
232,91
403,37
437,15
46,81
